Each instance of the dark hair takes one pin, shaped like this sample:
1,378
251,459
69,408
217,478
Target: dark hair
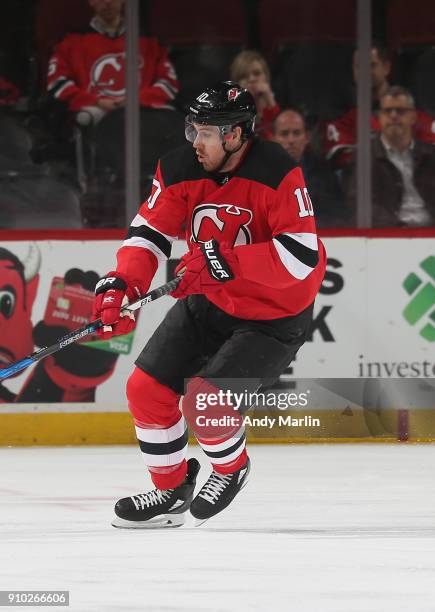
396,90
305,118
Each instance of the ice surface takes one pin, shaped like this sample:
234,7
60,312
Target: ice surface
319,528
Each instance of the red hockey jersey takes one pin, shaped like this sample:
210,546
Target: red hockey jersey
88,66
339,136
262,209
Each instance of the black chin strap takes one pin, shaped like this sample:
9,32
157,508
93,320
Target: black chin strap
228,155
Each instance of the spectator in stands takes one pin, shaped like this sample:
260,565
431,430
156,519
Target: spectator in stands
340,135
250,70
403,168
87,70
290,131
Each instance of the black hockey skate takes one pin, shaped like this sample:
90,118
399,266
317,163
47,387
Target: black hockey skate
217,493
158,508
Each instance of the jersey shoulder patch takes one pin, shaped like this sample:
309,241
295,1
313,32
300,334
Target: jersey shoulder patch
267,162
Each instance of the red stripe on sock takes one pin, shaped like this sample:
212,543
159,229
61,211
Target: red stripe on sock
170,476
232,466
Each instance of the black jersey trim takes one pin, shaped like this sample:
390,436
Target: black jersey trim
58,85
164,448
227,451
266,163
304,254
152,235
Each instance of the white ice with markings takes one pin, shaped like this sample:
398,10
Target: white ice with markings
319,528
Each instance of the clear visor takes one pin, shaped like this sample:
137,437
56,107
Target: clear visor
189,131
205,133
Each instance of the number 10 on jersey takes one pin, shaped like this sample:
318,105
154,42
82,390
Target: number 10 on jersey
304,201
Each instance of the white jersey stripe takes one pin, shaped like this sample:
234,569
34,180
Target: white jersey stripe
296,268
228,458
65,86
168,85
164,460
215,448
166,89
307,239
143,243
139,220
161,436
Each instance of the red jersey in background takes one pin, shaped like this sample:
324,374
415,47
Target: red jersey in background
339,136
88,66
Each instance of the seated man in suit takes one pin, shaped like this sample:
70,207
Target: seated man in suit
403,168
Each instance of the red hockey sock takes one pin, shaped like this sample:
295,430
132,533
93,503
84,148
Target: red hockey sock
160,429
231,466
168,477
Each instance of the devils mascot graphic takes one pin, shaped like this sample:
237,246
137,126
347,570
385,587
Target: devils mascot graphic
71,375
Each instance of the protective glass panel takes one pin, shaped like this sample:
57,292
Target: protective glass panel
403,156
61,116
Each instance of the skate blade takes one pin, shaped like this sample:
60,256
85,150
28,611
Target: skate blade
164,521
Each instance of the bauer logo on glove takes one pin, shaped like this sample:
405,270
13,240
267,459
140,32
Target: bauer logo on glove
216,264
206,269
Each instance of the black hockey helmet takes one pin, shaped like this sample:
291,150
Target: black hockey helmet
225,105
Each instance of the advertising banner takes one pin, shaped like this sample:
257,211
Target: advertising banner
374,317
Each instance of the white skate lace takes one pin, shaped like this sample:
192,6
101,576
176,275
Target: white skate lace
214,486
153,498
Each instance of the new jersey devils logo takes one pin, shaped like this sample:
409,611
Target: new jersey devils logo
233,93
222,222
108,75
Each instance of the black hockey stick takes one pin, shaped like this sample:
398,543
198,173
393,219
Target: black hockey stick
80,333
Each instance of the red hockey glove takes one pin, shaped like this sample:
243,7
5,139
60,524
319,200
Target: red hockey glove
112,292
205,269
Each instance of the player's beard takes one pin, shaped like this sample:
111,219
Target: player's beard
210,166
207,166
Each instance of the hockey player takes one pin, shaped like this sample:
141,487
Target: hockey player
245,299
